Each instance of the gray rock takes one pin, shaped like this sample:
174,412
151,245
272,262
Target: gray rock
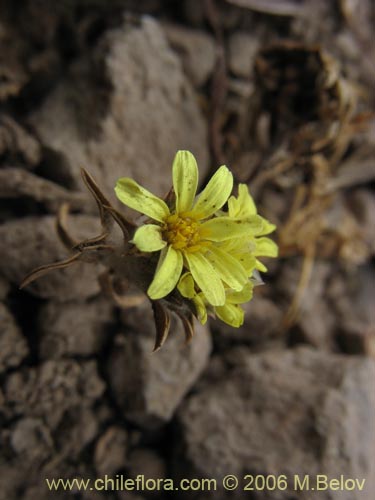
13,346
316,320
110,451
31,439
262,323
30,242
17,144
4,288
351,297
19,183
73,328
147,462
362,205
132,120
53,389
149,386
196,49
78,429
242,50
297,412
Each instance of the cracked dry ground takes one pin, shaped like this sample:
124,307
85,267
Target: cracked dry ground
285,100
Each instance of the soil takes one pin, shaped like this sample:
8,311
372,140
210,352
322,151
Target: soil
281,92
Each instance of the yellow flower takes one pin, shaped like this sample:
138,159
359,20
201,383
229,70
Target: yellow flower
188,234
245,250
230,312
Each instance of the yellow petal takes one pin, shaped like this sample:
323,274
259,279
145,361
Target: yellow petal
138,198
215,194
186,286
260,266
206,278
246,294
226,228
247,261
267,228
167,273
227,267
231,314
200,308
244,205
265,248
185,180
148,238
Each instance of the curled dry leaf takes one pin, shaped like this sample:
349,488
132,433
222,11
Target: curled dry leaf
122,263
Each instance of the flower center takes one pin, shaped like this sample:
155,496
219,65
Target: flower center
182,233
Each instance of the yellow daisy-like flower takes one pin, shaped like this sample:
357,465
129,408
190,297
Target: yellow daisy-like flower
188,235
245,250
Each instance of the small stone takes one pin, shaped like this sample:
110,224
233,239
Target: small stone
362,205
30,242
196,50
13,346
17,144
79,428
148,386
53,389
262,322
18,183
31,439
4,288
146,462
242,51
351,296
73,328
110,451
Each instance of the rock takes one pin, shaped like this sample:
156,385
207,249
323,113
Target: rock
51,390
73,328
316,321
148,386
351,297
126,495
291,412
17,145
77,430
31,439
196,49
242,49
140,98
19,183
316,326
21,480
362,204
13,75
4,288
13,346
30,242
110,451
147,463
262,323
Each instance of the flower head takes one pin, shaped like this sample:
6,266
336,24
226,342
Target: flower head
209,254
188,233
